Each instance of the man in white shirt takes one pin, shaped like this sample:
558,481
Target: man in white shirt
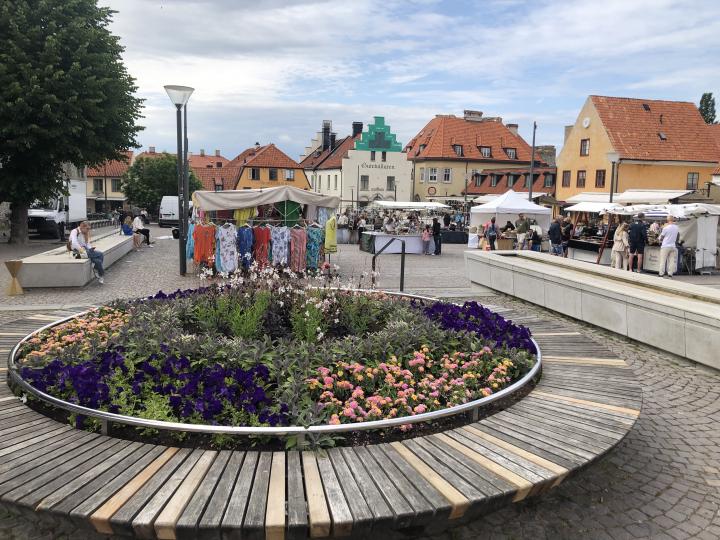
668,252
139,227
80,243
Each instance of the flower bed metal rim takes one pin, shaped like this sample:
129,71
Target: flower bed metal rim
277,431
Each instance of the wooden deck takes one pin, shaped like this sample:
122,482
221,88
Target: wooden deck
585,403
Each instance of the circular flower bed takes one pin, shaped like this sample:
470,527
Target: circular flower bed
262,350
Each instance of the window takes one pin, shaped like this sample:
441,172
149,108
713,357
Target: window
254,174
420,149
335,183
372,155
549,180
600,178
511,180
581,178
662,135
527,180
475,177
273,174
566,179
383,156
422,175
486,151
218,186
447,175
289,175
511,153
98,185
495,178
390,183
328,182
364,182
692,180
458,149
585,147
115,185
432,174
218,164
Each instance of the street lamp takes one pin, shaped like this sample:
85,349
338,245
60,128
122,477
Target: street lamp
613,157
180,95
532,164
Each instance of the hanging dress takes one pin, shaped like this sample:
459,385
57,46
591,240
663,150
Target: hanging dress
204,240
331,235
280,240
315,239
228,247
261,246
190,244
298,244
245,239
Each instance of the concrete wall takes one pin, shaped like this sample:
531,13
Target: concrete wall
680,318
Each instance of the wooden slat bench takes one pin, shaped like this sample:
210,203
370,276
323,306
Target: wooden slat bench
58,268
585,403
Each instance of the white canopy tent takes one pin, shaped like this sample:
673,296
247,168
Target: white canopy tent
507,207
249,198
592,207
398,205
649,196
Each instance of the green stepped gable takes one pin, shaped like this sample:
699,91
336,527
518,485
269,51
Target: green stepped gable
378,138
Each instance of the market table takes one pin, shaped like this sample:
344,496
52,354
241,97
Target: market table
373,241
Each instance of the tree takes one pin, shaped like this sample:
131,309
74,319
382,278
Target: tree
707,107
150,178
65,97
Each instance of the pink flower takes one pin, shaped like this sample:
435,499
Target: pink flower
334,419
419,409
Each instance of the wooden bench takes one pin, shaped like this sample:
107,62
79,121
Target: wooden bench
585,403
58,268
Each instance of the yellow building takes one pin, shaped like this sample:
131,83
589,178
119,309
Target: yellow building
267,166
104,185
661,145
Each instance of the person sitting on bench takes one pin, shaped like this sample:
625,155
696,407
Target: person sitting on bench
139,227
80,242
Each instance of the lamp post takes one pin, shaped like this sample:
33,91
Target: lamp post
613,157
180,95
532,164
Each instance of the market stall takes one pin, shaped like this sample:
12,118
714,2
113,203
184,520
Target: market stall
407,230
587,242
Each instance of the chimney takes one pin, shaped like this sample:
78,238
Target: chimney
547,154
357,128
202,152
568,129
513,128
326,127
472,116
217,153
257,145
151,150
333,136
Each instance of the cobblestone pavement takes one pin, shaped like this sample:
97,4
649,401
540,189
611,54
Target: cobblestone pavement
661,482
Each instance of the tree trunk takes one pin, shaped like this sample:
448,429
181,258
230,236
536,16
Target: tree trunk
19,224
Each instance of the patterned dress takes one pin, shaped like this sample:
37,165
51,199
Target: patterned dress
280,239
315,239
228,247
245,239
298,243
204,240
261,246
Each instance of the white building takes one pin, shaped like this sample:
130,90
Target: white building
363,167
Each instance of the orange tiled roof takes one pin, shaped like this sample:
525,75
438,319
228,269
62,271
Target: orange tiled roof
265,156
486,188
149,154
633,126
206,161
330,158
444,131
715,134
226,176
114,168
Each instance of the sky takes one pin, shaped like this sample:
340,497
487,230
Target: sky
273,70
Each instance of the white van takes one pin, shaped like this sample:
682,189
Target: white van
169,211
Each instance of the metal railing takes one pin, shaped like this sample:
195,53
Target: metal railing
106,418
402,262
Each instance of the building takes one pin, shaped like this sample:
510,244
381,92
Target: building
715,133
363,167
659,145
266,166
480,154
104,185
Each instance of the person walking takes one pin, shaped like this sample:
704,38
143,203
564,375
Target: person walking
437,235
491,234
637,235
139,227
555,235
80,242
522,226
668,248
567,230
426,240
621,247
361,225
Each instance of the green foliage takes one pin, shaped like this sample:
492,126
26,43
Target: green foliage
308,322
247,323
65,95
150,178
707,107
